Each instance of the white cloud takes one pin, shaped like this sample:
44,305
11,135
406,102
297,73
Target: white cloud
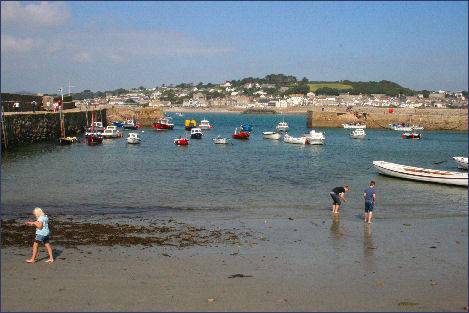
31,15
16,44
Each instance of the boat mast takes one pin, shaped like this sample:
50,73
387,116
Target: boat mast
62,123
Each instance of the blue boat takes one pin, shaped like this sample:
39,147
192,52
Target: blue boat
118,124
246,127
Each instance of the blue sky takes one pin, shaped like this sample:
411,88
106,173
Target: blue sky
107,45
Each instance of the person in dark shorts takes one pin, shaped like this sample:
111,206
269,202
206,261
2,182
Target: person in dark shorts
42,235
338,195
370,200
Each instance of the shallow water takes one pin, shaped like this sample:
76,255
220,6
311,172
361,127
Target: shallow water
246,178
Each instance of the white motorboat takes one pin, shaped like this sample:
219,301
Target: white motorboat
295,140
358,133
271,135
354,126
282,126
405,127
196,133
112,132
220,140
205,124
414,127
315,138
421,174
133,138
461,161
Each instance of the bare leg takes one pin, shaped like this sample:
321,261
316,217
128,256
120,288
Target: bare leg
366,217
34,254
337,208
49,251
369,217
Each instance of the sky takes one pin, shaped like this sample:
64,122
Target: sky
109,45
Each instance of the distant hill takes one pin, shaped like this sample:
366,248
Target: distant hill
340,86
382,87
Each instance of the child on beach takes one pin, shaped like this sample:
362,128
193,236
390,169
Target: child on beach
370,201
42,235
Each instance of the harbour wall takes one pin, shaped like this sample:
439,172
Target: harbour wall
143,115
25,128
430,119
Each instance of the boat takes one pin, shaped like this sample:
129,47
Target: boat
205,124
271,135
196,133
133,138
189,124
461,161
130,124
67,140
220,140
246,127
420,174
97,127
240,134
94,138
315,138
295,140
411,135
181,141
354,126
165,123
282,126
111,132
405,127
118,123
179,114
358,133
414,127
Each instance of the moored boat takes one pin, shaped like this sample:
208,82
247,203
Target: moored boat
411,135
220,140
181,141
295,140
420,174
205,124
196,133
240,134
282,126
405,127
67,140
358,133
189,124
461,161
111,132
96,127
118,123
164,123
133,138
315,138
271,135
246,127
354,126
130,124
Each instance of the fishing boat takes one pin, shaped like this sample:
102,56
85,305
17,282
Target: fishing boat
189,124
181,141
220,140
358,133
315,138
196,133
97,127
134,138
282,126
111,132
246,127
205,124
240,134
354,126
165,123
411,135
461,161
118,123
130,124
420,174
271,135
94,138
295,140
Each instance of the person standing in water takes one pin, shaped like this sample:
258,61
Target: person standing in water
370,200
338,195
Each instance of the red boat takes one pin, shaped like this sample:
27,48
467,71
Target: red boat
163,124
94,138
181,141
240,134
411,136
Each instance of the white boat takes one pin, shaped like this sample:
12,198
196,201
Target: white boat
421,174
461,161
271,135
295,140
315,138
111,132
205,124
282,126
405,127
179,114
358,133
414,127
220,140
354,126
133,138
196,133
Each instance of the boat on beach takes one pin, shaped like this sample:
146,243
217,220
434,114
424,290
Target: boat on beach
164,123
240,134
220,140
295,140
420,174
411,135
271,135
133,138
315,138
461,162
358,133
179,141
354,126
111,132
196,133
205,124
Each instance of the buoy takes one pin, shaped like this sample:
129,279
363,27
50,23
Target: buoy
390,110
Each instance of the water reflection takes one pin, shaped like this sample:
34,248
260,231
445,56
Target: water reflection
369,247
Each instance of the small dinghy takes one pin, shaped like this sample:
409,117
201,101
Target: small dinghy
181,141
239,134
315,138
358,133
220,140
295,140
421,174
271,135
461,161
133,138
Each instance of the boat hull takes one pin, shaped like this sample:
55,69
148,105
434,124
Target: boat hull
133,141
93,140
349,126
181,142
220,141
159,126
411,136
241,135
196,136
271,135
461,162
295,140
420,174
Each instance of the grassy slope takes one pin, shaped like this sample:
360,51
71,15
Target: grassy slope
315,86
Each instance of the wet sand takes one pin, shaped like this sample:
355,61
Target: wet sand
266,262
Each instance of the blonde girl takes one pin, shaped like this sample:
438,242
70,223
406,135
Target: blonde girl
42,235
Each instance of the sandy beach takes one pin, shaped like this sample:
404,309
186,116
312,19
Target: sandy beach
270,263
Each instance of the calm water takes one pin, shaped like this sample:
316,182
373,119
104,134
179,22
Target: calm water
246,177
